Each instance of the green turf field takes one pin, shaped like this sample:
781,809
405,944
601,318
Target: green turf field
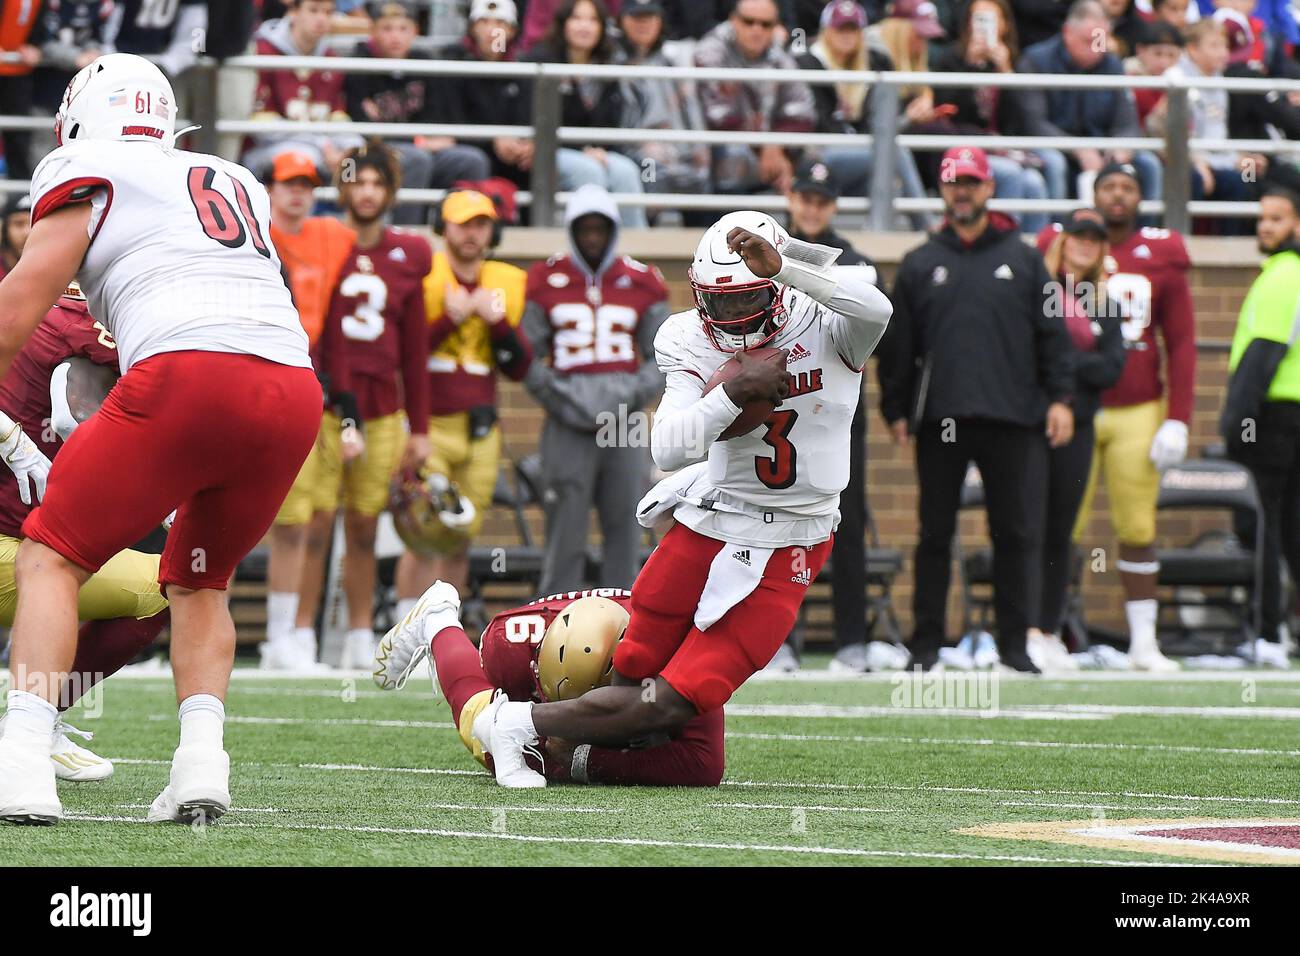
843,772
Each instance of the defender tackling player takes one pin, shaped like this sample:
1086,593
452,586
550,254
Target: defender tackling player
754,525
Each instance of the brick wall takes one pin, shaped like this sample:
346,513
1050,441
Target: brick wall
1225,267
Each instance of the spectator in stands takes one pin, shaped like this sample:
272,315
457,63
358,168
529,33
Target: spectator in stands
579,35
1271,115
428,161
987,44
313,252
475,305
1277,20
812,206
18,58
748,40
350,16
1157,47
490,38
1126,25
169,34
906,34
1254,41
1220,173
1081,112
971,284
1176,13
1076,261
661,104
1039,20
15,223
840,44
592,316
299,95
72,35
1261,415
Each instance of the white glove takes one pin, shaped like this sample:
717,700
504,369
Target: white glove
24,458
1169,447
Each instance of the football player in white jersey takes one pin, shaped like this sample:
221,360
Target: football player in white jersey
754,514
214,414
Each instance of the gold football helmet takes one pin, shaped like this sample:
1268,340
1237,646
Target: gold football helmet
430,514
577,652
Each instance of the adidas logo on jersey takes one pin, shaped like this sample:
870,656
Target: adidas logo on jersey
623,282
804,577
1142,252
798,353
1003,272
397,254
742,556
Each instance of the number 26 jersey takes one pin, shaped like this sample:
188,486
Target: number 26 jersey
180,257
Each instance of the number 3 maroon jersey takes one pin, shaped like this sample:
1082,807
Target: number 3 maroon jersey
66,331
380,306
512,640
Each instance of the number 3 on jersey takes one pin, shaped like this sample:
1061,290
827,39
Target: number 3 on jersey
218,219
779,470
366,323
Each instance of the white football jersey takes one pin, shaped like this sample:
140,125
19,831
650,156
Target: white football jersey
780,483
180,255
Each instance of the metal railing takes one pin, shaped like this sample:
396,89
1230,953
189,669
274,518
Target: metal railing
881,203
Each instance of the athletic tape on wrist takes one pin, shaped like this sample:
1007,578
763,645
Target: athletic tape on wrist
578,770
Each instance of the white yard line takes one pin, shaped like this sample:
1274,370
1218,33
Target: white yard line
1013,712
798,806
1084,806
331,721
993,791
996,742
658,844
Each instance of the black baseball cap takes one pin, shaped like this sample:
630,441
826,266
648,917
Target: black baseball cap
814,176
642,8
1083,221
16,202
1117,169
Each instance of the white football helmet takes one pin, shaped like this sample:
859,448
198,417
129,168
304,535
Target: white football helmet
119,96
739,309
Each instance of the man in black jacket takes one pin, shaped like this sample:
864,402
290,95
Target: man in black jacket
977,366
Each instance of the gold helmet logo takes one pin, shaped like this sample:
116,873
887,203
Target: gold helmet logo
577,652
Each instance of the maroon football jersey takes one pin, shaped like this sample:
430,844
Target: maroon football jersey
1147,274
511,641
595,326
380,305
66,331
298,94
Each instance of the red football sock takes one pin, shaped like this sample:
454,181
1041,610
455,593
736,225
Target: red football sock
105,647
460,673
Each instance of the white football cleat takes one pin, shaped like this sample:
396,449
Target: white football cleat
289,655
1150,659
74,762
28,793
199,791
358,651
1264,653
406,645
501,729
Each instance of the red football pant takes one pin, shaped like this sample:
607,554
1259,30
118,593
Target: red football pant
105,647
217,436
706,667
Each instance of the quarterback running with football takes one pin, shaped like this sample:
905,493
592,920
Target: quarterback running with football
753,522
554,648
214,414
